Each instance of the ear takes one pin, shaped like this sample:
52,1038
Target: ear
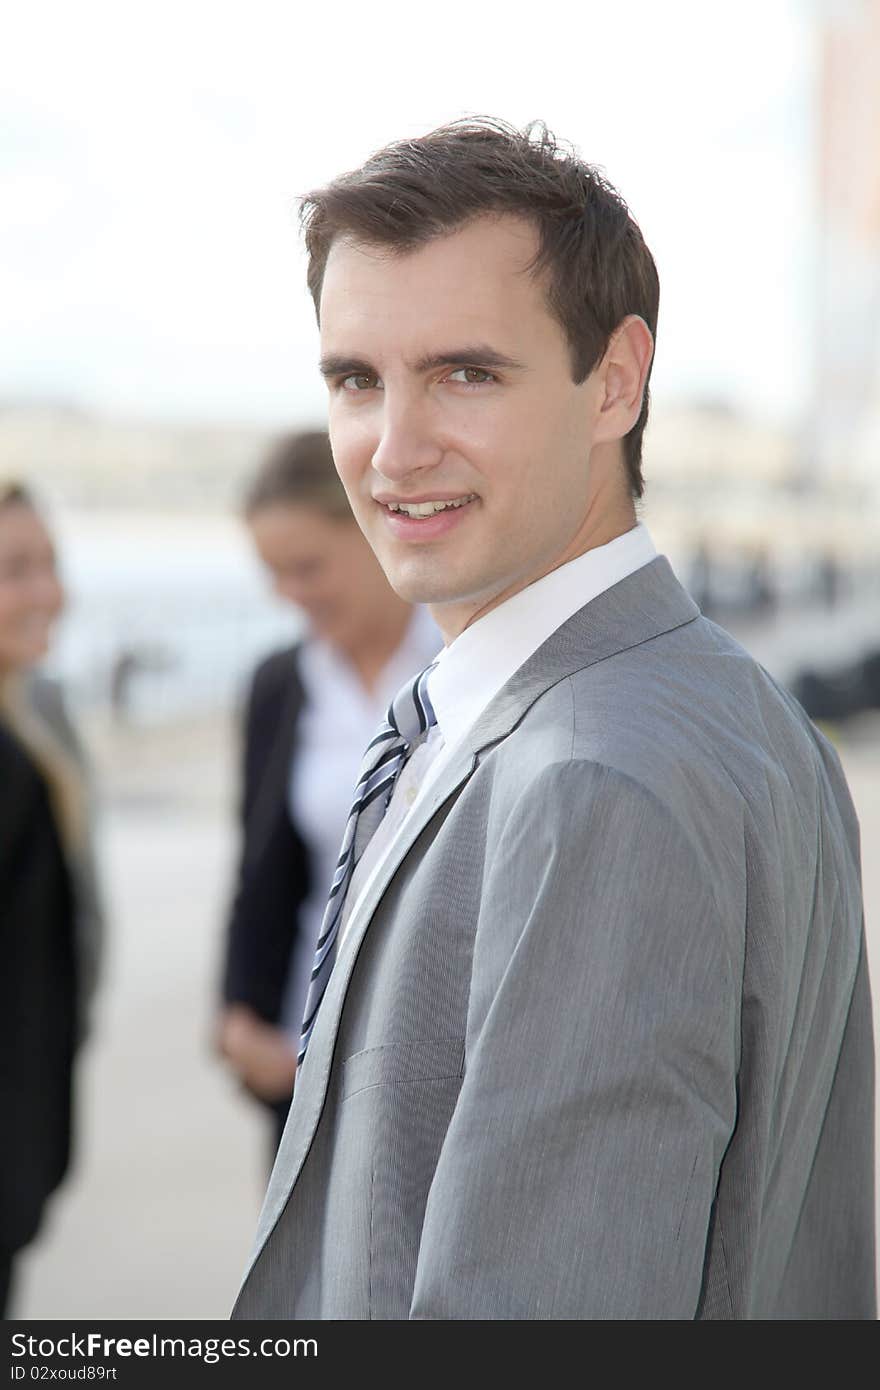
624,371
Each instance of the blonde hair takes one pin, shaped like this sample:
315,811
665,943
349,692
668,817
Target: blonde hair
56,763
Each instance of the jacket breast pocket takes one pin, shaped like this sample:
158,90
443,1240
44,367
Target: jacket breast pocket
401,1064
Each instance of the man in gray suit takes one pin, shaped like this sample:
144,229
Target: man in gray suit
596,1039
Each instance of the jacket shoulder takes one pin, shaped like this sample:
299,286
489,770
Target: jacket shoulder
18,768
47,697
24,791
273,677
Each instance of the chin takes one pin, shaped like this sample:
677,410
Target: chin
23,661
327,632
420,582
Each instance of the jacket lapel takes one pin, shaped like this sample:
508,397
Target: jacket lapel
270,801
314,1077
641,607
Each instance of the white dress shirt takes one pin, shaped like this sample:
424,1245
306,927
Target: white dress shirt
472,670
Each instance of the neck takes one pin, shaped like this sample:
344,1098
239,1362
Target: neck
373,646
599,527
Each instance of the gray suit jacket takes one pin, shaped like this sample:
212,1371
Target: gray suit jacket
600,1044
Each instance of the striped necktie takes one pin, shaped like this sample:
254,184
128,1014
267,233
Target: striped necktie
409,718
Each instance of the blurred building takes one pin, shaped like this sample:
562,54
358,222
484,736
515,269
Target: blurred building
90,461
842,427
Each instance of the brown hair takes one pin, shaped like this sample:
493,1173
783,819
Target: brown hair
299,470
598,267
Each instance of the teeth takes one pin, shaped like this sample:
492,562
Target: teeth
428,508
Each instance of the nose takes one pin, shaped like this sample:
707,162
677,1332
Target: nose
408,442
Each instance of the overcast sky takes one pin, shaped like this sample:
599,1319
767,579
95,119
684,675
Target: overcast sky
152,155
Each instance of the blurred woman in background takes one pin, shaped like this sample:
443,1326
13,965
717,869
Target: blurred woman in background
50,922
311,711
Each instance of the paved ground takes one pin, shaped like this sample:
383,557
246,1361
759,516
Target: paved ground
157,1219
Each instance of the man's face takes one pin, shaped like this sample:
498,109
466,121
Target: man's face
450,381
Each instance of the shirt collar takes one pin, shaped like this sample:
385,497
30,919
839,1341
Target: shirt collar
472,669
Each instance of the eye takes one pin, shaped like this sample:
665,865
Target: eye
359,381
471,376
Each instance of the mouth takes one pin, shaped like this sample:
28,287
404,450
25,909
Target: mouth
428,518
421,511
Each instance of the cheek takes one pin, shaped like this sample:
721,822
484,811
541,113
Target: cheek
482,430
57,599
10,603
504,442
353,446
351,576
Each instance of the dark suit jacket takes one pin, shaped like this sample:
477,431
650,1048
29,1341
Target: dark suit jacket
38,990
273,878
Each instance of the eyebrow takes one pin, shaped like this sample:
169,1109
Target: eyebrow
334,365
471,355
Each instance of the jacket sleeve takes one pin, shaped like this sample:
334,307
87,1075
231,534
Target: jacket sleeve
577,1175
272,877
90,917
